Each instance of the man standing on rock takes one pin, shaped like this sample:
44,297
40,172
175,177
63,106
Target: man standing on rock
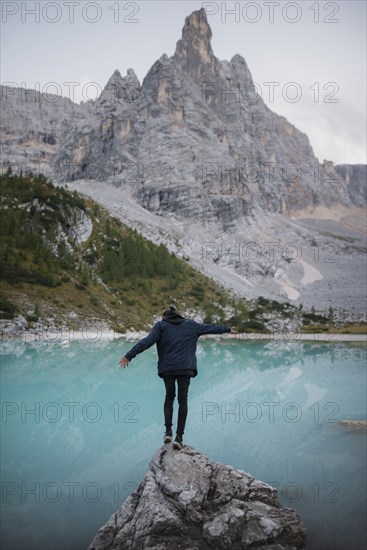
176,339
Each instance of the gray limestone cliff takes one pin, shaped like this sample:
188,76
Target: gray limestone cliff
354,177
33,128
194,139
186,502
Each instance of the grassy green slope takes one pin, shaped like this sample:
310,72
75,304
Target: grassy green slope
115,275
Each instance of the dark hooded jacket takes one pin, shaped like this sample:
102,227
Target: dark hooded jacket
176,339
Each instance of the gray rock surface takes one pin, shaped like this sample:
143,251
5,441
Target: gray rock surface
196,147
187,502
33,128
354,177
194,139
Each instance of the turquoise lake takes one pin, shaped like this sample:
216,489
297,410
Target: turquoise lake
78,432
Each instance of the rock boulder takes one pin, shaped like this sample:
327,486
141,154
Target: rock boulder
187,502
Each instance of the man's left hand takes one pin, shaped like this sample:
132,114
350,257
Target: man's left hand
123,362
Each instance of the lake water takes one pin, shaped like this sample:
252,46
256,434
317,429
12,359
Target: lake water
78,432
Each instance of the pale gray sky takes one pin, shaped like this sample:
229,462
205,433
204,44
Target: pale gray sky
313,49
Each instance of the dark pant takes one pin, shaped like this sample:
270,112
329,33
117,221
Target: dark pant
183,383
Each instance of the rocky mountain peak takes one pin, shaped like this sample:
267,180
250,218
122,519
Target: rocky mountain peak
121,89
194,48
197,23
241,70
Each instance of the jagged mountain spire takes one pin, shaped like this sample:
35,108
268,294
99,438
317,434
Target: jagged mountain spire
118,88
194,49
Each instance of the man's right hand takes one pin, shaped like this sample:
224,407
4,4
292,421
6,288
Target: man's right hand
123,362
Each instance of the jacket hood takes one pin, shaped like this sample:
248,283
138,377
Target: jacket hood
172,316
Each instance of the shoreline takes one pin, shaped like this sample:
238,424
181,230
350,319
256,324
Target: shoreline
95,334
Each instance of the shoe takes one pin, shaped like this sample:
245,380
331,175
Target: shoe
177,444
168,436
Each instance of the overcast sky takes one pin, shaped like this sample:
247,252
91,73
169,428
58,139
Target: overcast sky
315,51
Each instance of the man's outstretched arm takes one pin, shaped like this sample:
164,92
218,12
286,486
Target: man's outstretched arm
212,328
142,345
